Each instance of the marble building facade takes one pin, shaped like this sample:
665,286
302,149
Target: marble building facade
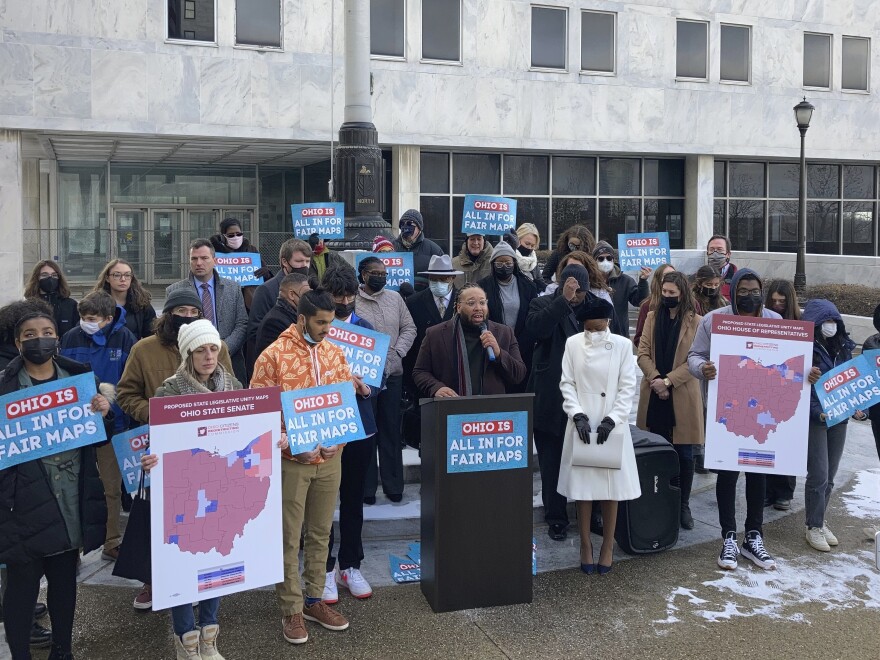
96,103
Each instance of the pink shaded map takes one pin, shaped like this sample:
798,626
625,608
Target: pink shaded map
753,399
209,498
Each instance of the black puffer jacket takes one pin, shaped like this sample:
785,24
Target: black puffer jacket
422,250
31,524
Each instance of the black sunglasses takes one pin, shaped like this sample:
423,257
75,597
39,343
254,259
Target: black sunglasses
234,234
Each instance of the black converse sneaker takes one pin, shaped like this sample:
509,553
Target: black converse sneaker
753,549
729,553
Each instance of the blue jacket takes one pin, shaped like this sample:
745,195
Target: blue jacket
365,406
818,311
105,352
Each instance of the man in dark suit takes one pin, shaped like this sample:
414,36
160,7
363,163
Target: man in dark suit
222,301
283,315
551,322
455,357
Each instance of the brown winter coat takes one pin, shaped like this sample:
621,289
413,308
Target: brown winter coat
687,399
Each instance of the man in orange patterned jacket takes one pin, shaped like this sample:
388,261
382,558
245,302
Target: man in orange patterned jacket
300,359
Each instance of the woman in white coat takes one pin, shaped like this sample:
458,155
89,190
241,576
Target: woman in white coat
598,387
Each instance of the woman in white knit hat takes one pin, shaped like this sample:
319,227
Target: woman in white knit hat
200,372
526,256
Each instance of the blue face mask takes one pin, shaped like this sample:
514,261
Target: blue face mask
309,339
440,289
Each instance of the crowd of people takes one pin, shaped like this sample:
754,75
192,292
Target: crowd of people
488,321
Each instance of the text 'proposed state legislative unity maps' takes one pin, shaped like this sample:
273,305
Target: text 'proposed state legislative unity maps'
753,398
209,498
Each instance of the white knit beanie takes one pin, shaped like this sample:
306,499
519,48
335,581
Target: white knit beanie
193,335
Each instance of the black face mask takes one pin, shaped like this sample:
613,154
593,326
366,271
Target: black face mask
49,284
343,311
670,302
748,303
524,251
503,272
377,282
304,270
177,322
39,350
709,293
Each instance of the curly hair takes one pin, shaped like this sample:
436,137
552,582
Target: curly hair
588,241
11,313
597,278
703,275
32,288
138,296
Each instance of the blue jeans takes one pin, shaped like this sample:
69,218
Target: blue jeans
823,456
183,620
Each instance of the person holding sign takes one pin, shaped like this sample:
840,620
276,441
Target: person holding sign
301,359
832,347
624,291
598,386
342,284
231,240
52,507
412,239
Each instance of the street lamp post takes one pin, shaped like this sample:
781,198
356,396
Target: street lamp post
803,112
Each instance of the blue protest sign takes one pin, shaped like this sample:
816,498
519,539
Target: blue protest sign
852,386
398,265
534,556
365,350
479,442
129,448
637,250
327,219
404,570
488,215
414,551
47,419
326,415
239,268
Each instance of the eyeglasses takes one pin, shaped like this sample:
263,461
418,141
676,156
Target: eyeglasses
234,234
46,276
717,251
121,276
475,303
604,258
574,246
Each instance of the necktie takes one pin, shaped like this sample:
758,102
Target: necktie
441,306
207,305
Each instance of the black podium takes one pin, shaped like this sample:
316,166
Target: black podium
477,501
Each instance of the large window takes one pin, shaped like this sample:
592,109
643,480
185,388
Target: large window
191,20
692,50
598,41
441,30
817,60
82,217
549,30
756,204
258,23
608,195
854,65
735,53
387,31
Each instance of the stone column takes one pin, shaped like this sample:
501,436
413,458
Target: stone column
11,209
406,170
699,201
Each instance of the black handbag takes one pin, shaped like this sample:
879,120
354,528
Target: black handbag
135,555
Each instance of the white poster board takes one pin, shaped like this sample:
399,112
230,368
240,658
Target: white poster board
216,494
758,405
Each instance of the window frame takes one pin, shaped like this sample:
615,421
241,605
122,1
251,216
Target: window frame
186,9
544,69
707,25
830,61
428,60
850,90
594,72
277,49
395,58
191,42
725,81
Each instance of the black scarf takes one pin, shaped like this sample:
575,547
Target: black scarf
666,331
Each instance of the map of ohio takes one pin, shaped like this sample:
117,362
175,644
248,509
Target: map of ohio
209,498
753,399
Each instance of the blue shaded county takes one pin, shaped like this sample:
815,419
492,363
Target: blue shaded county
179,518
174,538
753,403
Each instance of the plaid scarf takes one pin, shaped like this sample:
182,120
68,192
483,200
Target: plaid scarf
465,387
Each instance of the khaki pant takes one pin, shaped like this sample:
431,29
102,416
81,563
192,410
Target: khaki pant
112,480
308,497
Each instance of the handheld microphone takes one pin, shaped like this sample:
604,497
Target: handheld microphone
485,328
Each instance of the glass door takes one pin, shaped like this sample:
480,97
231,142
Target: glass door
202,223
170,259
129,244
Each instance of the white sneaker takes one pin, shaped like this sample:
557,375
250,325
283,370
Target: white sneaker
830,539
816,539
331,594
353,580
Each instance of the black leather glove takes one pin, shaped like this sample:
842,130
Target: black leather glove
263,272
606,427
582,424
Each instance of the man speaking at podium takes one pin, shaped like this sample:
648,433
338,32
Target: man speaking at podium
468,355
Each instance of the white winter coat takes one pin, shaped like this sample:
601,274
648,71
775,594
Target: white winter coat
599,380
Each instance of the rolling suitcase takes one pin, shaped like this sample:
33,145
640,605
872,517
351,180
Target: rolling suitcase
651,523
